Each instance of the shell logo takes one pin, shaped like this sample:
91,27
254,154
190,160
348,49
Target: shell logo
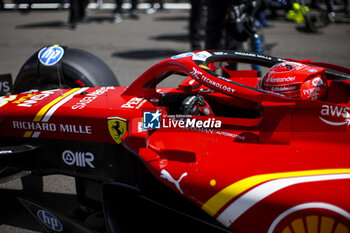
315,224
313,217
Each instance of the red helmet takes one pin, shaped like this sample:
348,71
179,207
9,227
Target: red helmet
295,80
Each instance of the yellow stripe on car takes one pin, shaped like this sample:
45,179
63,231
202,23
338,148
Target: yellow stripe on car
41,113
27,134
215,203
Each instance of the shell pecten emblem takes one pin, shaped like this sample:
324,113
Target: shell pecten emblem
328,218
315,224
117,128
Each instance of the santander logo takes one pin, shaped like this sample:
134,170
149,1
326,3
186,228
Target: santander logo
280,79
334,112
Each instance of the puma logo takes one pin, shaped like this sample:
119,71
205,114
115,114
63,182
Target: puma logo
167,176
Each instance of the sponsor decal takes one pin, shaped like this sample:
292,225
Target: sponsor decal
286,88
117,128
219,132
312,93
263,56
246,54
52,127
90,97
5,84
166,175
199,75
49,220
29,101
339,112
279,80
79,159
299,219
46,112
49,56
220,53
5,99
182,55
255,55
134,103
201,56
312,70
23,98
316,82
77,129
151,120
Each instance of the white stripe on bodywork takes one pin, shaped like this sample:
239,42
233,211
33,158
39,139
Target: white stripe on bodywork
334,123
245,202
60,103
311,205
36,134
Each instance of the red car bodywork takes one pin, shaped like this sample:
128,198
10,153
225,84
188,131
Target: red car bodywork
286,169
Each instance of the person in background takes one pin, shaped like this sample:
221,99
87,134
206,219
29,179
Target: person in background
195,24
347,8
260,15
117,15
330,8
215,22
77,12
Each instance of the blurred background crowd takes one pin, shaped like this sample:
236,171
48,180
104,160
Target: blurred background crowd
225,23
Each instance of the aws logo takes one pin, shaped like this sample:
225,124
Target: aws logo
338,115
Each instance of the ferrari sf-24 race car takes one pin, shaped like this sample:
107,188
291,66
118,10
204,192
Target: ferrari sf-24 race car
223,151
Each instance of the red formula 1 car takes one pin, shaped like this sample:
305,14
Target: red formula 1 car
232,153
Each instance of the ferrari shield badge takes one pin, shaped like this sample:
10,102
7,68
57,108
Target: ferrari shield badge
117,128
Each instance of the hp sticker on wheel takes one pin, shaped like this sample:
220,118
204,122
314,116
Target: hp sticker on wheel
50,56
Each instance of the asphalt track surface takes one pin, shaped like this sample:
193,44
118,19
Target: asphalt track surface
129,48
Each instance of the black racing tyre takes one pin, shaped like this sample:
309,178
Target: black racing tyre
77,68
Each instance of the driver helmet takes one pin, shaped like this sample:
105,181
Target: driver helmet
295,80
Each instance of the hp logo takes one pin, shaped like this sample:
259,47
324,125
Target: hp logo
49,56
49,220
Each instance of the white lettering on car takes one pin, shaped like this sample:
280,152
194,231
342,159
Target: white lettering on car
52,127
90,97
35,99
79,159
340,112
134,102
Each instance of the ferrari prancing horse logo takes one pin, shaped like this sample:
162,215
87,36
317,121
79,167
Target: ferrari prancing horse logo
117,129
